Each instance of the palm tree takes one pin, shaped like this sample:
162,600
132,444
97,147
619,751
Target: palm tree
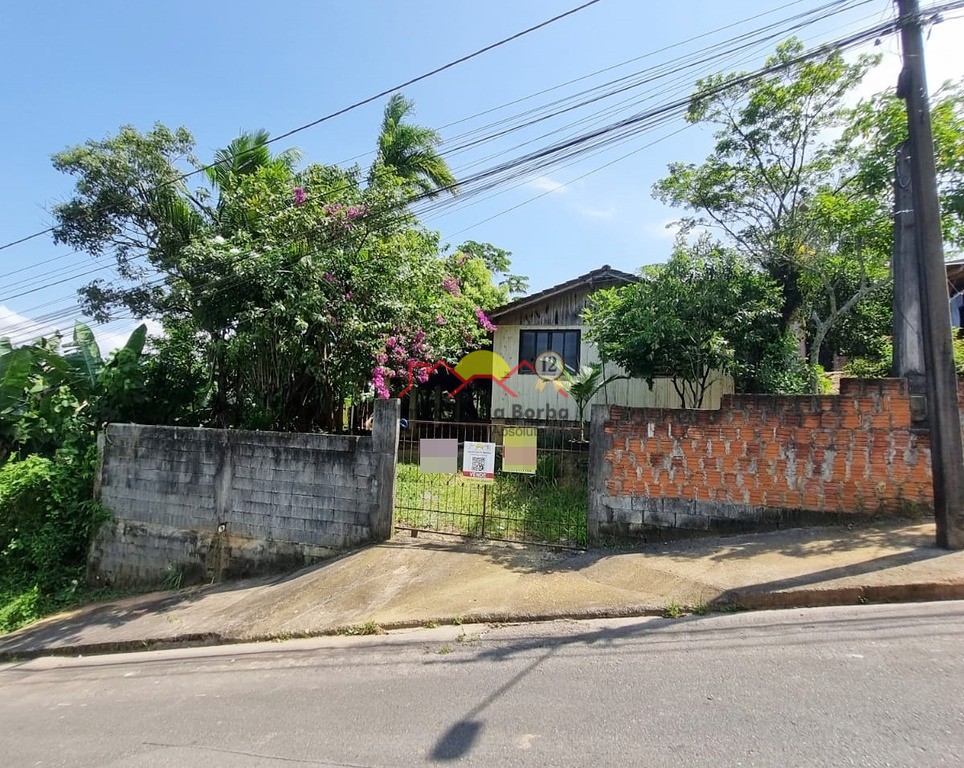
583,386
245,155
409,151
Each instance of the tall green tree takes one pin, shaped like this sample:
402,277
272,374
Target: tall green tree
132,204
769,162
410,152
295,290
708,310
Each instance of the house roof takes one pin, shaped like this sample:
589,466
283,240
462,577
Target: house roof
955,274
604,276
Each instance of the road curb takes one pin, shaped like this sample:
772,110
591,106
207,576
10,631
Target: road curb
821,597
737,599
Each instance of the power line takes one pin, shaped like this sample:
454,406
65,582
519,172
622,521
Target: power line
617,132
639,79
622,130
356,105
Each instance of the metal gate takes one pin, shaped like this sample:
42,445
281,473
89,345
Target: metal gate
548,507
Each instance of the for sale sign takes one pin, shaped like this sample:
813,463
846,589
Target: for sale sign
478,461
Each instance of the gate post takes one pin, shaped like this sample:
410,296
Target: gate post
385,428
599,442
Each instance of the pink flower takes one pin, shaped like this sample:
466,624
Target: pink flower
378,382
484,321
451,284
329,277
440,320
392,341
300,196
421,375
420,337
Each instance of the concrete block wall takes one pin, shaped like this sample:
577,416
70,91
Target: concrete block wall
192,505
758,460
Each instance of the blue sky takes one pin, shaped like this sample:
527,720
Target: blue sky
74,71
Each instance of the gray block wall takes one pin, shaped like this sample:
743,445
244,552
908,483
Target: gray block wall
192,504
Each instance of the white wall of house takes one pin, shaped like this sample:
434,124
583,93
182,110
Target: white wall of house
542,402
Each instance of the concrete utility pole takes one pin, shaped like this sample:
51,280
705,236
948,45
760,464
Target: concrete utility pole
908,324
947,457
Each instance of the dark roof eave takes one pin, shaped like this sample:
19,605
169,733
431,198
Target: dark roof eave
606,273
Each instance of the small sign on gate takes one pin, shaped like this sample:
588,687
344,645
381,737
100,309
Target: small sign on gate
478,461
438,456
519,450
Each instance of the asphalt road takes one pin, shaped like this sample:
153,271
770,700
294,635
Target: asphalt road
865,686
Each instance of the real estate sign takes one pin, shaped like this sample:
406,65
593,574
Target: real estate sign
519,450
478,461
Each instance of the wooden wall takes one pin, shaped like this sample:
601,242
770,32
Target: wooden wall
545,400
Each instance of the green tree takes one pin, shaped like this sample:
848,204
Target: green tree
133,205
299,291
767,164
410,152
874,130
706,311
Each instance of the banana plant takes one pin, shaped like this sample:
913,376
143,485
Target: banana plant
41,386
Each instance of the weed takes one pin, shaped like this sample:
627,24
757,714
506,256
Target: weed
701,609
430,624
368,628
673,611
444,649
174,576
458,621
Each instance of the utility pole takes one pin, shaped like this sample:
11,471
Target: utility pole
947,456
908,324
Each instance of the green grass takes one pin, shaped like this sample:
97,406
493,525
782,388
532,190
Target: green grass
536,508
368,628
21,605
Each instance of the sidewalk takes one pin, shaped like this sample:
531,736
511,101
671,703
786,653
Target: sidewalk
415,581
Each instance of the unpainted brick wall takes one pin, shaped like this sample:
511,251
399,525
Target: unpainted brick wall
759,459
193,505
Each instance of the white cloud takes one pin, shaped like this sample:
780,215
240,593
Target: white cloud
662,230
596,213
941,54
24,330
21,329
545,184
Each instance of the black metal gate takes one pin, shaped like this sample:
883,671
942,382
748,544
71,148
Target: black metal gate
548,507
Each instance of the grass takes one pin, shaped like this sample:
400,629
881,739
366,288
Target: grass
22,605
547,508
673,611
368,628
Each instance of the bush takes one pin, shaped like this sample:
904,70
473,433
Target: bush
47,518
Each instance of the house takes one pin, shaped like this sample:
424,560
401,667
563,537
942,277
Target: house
955,288
550,321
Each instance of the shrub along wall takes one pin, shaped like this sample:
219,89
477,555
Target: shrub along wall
759,459
194,504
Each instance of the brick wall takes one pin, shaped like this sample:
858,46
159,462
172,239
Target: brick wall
760,459
195,505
